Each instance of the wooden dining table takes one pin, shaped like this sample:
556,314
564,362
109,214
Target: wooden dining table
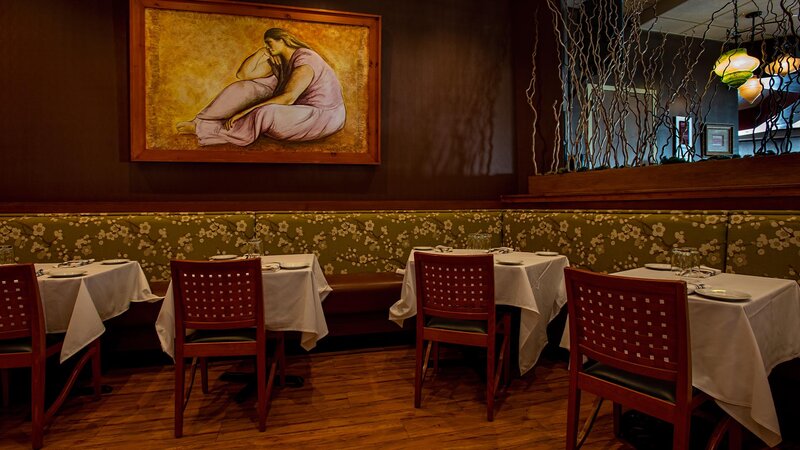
532,282
294,288
737,342
77,297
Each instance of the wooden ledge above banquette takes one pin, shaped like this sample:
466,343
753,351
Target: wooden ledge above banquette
764,182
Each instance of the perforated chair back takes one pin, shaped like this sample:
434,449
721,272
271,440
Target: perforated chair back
455,305
22,324
20,305
455,286
633,324
217,295
635,334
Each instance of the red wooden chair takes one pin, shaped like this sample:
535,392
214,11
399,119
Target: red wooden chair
455,304
23,343
223,303
635,334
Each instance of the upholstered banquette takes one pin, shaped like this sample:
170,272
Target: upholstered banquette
359,251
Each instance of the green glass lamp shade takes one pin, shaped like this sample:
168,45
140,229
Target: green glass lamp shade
735,67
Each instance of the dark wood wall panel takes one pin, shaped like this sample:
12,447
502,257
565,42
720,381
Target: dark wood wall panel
447,112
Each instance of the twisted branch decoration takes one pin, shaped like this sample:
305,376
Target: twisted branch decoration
621,88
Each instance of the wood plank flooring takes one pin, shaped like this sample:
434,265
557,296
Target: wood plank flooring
349,400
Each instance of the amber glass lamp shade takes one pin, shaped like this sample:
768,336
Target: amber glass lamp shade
751,89
735,67
784,65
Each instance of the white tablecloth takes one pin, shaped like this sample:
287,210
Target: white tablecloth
736,345
292,302
536,287
78,306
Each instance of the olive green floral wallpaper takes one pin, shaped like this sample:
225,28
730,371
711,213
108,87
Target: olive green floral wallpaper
758,243
610,241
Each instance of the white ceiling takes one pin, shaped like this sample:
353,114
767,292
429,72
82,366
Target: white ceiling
694,18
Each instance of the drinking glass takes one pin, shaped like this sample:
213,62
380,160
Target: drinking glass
6,254
685,259
254,248
479,241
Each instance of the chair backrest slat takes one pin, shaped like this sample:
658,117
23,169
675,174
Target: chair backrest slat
217,294
455,286
633,324
20,305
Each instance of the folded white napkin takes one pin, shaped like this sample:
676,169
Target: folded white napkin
271,267
500,250
443,249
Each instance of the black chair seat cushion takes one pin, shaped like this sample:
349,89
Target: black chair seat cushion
661,389
468,326
23,345
213,336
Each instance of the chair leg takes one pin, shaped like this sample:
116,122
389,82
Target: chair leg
726,426
37,403
680,435
418,372
490,382
261,397
573,414
179,389
589,423
507,350
617,418
281,355
270,386
4,384
204,374
735,436
435,358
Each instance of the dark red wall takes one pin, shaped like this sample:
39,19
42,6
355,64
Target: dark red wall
446,122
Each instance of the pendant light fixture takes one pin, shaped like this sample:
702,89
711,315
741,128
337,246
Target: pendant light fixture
735,66
751,89
784,65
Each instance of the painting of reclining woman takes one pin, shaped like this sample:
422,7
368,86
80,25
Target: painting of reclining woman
249,83
286,91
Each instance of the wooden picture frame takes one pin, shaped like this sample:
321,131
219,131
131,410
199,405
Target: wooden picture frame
717,140
306,93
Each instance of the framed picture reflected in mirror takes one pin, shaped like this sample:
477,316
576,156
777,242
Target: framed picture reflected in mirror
717,140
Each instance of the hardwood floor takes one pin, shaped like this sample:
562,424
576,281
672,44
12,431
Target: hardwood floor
349,400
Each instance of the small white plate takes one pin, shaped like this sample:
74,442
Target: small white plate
223,257
723,294
115,261
293,266
510,262
658,266
66,273
544,253
423,248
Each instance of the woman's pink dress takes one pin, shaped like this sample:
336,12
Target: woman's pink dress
318,112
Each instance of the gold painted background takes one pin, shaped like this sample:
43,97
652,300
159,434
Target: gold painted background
190,57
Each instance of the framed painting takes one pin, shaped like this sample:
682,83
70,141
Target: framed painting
718,140
683,137
220,81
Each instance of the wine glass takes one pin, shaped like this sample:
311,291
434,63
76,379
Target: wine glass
685,259
254,248
6,254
